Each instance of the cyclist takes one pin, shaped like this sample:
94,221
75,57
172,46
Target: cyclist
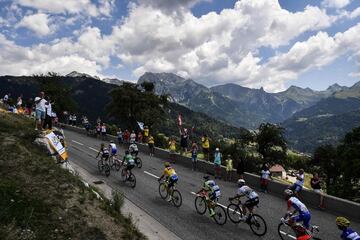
104,152
347,233
112,148
133,149
129,163
213,193
171,178
293,202
252,199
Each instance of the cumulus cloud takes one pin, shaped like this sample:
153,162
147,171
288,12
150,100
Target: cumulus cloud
335,3
38,23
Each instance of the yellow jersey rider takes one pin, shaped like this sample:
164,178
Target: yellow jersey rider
213,193
171,178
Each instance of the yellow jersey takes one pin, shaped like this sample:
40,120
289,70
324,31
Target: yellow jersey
169,171
146,132
151,140
205,142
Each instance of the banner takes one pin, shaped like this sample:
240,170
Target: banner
56,145
141,125
179,120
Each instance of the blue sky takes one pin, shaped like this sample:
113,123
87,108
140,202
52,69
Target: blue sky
253,43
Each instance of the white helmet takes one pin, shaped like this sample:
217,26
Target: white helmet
241,182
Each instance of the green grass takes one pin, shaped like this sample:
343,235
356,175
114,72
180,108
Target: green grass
40,200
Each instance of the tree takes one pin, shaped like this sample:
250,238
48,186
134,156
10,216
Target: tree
59,93
271,142
148,86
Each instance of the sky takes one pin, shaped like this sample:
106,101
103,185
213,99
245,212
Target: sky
254,43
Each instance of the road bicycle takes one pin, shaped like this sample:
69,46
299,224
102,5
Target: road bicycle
114,162
287,231
128,176
201,205
138,160
104,166
176,197
256,222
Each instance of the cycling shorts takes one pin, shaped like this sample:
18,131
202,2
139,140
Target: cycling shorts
172,180
113,151
105,156
214,196
251,202
296,188
130,166
303,217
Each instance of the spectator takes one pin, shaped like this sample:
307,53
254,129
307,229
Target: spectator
151,143
71,119
40,111
19,102
264,178
240,169
132,136
98,130
184,137
298,185
140,137
6,98
217,163
103,131
29,106
74,119
146,134
194,151
205,144
172,147
229,168
315,183
120,136
48,114
126,136
98,121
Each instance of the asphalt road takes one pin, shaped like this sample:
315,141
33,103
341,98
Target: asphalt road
185,222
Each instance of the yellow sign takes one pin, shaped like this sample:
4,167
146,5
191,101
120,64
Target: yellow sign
56,145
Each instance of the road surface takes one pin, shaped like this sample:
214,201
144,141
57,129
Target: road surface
185,222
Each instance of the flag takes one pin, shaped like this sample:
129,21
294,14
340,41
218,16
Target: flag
179,120
141,125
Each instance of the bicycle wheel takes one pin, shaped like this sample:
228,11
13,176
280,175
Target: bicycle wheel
176,198
138,162
163,191
117,165
107,170
100,166
234,212
285,232
123,174
132,180
200,205
220,216
258,225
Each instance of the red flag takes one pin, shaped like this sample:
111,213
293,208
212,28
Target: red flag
179,120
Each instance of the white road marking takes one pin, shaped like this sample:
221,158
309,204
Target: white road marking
93,149
77,142
150,174
284,233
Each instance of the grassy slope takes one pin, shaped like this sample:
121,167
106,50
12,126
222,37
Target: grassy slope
40,200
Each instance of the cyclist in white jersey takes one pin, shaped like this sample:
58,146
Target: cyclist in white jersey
112,148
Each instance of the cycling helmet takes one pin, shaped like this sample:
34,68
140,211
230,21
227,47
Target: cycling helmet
342,222
288,192
241,182
167,164
206,177
127,152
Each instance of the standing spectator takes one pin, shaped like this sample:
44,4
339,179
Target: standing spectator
70,119
140,137
264,179
240,169
29,106
172,147
315,183
74,118
146,134
229,168
298,185
184,137
98,130
217,163
19,102
98,120
126,136
6,98
103,131
205,144
40,111
48,114
194,151
151,143
119,134
132,136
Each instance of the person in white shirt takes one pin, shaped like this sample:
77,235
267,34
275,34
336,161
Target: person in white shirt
40,110
6,98
48,114
265,177
132,136
299,184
